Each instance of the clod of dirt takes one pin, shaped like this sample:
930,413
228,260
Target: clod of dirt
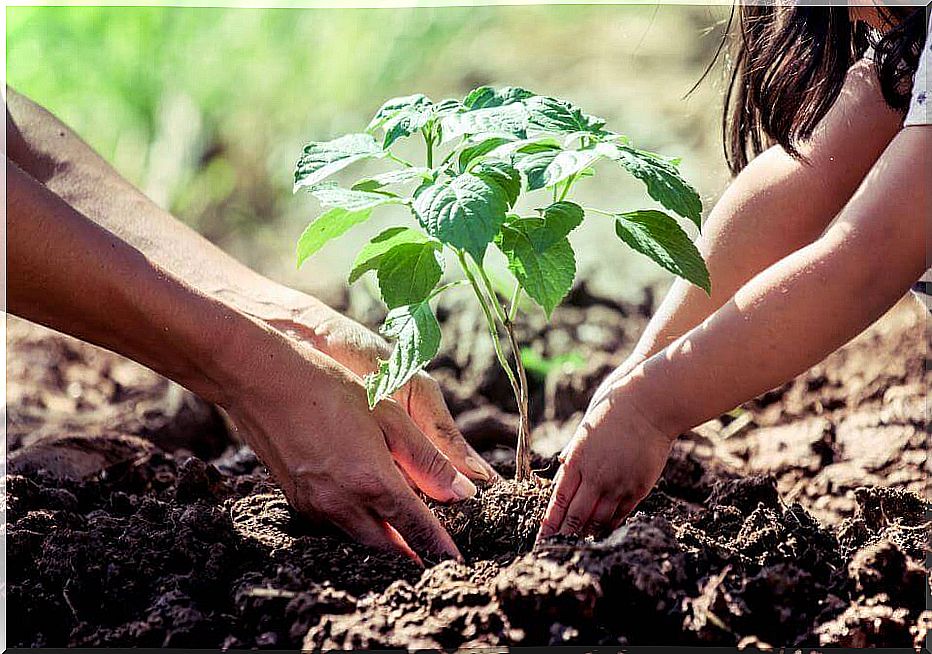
77,457
500,522
869,623
449,607
548,602
887,513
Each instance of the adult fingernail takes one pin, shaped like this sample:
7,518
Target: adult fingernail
462,487
478,466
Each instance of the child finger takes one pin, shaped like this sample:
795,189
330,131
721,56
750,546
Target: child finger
565,485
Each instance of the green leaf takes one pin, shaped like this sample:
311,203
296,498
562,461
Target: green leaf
558,220
418,340
392,178
334,196
329,225
499,120
480,148
545,273
486,96
405,123
408,273
464,211
664,182
549,166
501,175
320,160
660,237
394,106
557,116
371,254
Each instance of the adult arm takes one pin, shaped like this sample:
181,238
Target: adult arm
304,414
780,323
49,151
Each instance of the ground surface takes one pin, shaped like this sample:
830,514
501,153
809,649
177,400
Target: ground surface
133,521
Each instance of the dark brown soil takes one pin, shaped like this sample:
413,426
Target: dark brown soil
800,522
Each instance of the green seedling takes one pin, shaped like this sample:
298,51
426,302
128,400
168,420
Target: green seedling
481,154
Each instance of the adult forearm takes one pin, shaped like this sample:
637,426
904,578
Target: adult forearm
70,274
53,154
801,309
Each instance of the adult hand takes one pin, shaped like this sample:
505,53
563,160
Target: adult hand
306,319
308,419
613,460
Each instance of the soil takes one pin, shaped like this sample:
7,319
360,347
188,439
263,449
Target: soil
800,520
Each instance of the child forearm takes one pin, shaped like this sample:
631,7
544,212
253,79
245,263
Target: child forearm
779,204
799,310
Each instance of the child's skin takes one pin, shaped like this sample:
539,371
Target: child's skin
789,286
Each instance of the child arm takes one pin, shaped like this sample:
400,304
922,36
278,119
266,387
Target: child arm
783,321
777,205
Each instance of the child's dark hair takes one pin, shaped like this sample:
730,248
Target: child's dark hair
789,64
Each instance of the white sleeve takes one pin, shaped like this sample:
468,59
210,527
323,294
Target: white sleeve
920,105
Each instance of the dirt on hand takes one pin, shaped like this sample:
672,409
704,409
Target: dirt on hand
800,521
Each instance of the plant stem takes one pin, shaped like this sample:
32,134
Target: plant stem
519,383
566,189
515,301
496,305
429,140
523,450
440,289
490,319
398,159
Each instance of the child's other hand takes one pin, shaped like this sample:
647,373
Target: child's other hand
611,463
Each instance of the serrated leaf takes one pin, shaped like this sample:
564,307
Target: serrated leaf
664,182
320,160
479,148
405,123
557,116
486,96
558,220
417,332
502,175
659,236
328,226
504,119
464,211
548,166
392,178
334,196
394,106
408,272
371,254
545,274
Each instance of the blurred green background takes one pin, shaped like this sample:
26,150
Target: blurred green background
207,109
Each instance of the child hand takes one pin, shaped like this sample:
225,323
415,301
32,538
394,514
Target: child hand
611,463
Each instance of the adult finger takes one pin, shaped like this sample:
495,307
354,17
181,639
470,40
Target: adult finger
601,518
365,528
565,485
421,460
424,402
625,506
417,525
580,508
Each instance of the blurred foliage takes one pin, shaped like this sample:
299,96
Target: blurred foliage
207,109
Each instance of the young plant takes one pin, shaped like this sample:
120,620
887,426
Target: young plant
481,154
